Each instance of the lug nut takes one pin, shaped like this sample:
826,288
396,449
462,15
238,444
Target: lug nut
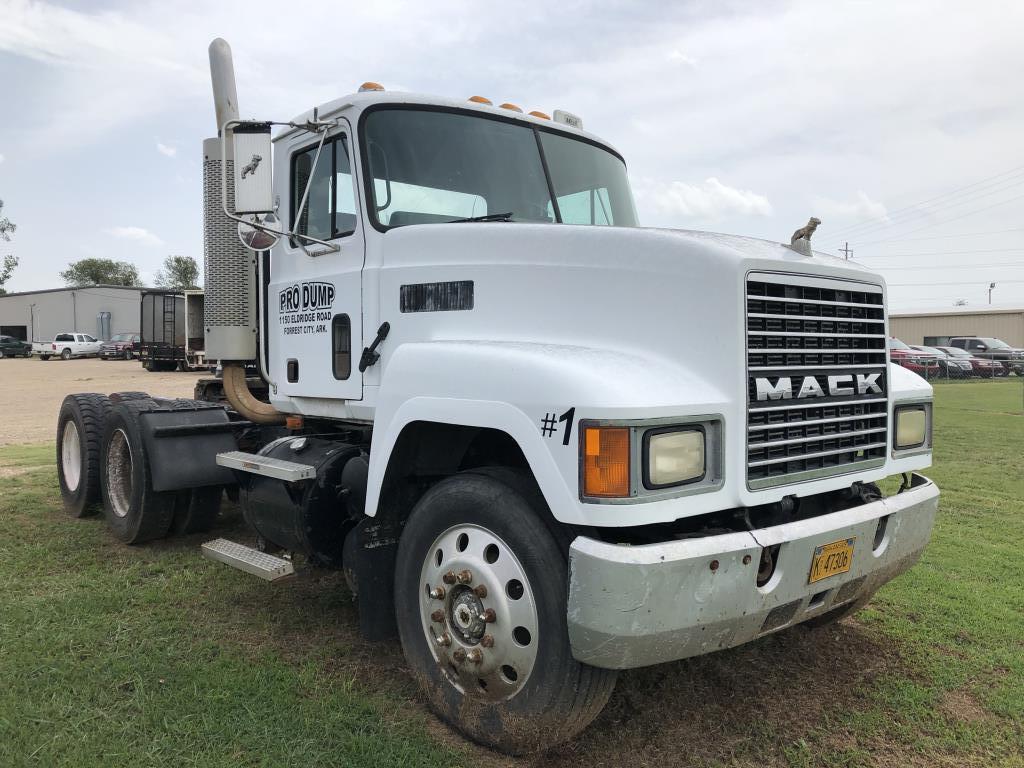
444,640
437,593
459,655
489,616
487,641
475,656
464,577
449,578
437,615
480,591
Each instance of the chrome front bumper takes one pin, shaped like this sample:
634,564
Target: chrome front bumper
635,606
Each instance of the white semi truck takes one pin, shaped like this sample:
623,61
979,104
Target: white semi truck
492,402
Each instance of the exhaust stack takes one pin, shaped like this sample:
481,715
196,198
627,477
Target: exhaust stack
229,317
230,267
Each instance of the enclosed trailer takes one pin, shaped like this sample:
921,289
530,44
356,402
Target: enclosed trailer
171,324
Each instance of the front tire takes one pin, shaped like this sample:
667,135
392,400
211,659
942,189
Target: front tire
494,662
79,440
135,512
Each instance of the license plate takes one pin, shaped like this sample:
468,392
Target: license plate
830,559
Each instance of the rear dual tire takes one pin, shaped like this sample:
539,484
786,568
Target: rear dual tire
79,449
135,512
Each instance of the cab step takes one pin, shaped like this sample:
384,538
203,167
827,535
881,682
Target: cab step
267,567
289,471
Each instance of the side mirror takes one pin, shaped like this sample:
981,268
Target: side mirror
254,175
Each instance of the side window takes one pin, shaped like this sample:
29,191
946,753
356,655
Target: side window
88,338
330,209
588,206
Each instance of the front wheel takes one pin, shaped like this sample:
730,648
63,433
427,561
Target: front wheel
128,354
480,593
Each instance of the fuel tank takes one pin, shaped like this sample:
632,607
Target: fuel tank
310,516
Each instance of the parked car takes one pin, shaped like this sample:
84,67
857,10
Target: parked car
68,345
920,363
12,347
981,366
949,367
123,346
1011,358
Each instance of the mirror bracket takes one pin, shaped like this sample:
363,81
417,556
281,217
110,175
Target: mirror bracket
253,220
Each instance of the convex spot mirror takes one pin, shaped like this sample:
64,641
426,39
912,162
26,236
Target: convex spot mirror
253,170
252,234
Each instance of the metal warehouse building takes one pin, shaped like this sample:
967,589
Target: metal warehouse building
934,327
99,310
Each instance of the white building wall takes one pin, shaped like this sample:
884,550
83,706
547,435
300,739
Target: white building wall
44,314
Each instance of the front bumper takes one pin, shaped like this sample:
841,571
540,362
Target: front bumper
636,606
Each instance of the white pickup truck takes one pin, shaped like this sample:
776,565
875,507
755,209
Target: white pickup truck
67,345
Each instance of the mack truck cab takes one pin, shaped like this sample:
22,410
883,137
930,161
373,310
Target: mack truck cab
491,401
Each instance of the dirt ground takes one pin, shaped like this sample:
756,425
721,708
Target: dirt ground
32,390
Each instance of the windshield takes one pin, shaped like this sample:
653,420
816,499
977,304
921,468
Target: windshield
955,351
121,337
994,344
897,344
430,166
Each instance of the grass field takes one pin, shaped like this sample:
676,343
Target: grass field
152,656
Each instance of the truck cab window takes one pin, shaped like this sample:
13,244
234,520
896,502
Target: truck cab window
330,209
590,183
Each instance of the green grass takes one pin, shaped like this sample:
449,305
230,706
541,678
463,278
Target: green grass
153,656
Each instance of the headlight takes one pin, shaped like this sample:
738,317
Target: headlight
912,423
673,456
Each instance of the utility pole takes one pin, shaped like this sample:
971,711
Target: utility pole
990,287
846,251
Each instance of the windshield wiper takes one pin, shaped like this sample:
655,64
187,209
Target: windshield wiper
486,217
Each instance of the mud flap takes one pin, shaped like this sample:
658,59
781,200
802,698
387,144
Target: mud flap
183,443
369,560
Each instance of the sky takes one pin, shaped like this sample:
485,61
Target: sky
899,125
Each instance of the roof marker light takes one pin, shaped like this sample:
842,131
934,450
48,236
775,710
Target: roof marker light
480,100
568,118
541,115
513,107
370,86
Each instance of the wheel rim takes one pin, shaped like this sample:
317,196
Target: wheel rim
119,473
478,613
71,455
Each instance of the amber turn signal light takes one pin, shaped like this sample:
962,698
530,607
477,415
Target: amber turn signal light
606,462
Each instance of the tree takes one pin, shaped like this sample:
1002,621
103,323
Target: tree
7,228
179,272
100,272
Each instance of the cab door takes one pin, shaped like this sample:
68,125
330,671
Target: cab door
315,299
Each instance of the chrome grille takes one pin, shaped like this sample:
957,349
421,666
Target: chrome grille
816,378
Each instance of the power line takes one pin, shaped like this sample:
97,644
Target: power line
1012,173
940,237
950,266
955,218
957,282
946,253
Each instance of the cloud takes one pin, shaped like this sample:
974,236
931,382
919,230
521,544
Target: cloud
166,150
861,208
681,58
136,234
710,201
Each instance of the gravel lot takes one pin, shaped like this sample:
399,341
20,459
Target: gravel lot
31,390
